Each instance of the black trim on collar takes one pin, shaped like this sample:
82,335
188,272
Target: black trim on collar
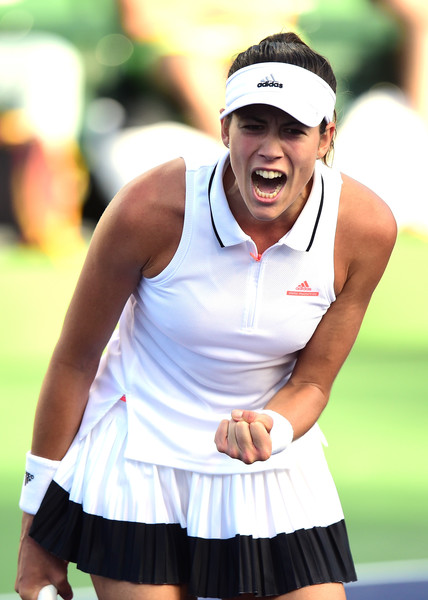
318,215
317,220
211,210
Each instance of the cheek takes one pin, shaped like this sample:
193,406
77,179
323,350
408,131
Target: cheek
239,159
308,155
305,159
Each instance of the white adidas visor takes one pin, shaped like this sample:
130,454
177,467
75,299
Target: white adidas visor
295,90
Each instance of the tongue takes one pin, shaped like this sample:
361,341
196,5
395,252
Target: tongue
268,186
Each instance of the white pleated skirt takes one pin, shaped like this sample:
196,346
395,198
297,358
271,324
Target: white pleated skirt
265,533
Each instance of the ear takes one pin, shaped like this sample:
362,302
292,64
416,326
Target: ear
326,139
225,129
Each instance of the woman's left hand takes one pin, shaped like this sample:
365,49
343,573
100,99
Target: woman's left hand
245,436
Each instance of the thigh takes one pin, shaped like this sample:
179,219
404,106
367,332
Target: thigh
324,591
111,589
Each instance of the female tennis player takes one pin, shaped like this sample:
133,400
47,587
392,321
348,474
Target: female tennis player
178,454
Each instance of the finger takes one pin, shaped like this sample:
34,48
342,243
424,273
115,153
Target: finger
261,440
60,580
65,590
250,416
225,439
237,414
245,446
267,420
233,449
221,436
244,415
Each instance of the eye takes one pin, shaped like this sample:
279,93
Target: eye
250,123
251,126
294,131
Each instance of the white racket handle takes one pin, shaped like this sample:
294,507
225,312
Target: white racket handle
49,592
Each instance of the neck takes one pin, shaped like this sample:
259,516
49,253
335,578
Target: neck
263,233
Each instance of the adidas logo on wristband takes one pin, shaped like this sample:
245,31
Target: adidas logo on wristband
28,477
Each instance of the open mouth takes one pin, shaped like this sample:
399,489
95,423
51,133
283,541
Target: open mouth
268,184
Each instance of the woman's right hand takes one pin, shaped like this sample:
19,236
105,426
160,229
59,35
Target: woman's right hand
37,567
246,436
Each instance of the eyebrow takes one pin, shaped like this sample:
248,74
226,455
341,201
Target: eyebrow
252,116
289,120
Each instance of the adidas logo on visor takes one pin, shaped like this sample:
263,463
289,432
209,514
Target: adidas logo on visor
308,97
269,83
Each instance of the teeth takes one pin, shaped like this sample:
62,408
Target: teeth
268,174
266,195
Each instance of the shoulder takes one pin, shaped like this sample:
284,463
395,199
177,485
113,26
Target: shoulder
146,216
366,233
365,214
151,193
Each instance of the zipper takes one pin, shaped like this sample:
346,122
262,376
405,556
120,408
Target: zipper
254,281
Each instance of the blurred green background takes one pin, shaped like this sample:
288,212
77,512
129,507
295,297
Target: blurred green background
378,414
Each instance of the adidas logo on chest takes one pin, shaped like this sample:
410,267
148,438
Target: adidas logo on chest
303,289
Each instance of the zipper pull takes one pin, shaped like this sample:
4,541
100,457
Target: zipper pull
257,257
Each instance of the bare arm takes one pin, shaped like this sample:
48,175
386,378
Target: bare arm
365,239
110,273
136,236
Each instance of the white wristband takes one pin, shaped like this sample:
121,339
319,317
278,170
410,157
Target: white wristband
39,473
282,431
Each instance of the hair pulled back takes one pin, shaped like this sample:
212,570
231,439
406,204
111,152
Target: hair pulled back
289,48
286,48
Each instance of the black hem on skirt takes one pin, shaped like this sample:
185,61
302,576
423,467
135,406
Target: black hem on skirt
165,554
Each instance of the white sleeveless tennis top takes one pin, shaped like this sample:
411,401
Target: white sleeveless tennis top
219,328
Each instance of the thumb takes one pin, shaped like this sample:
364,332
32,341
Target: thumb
64,588
65,591
237,414
62,584
265,419
251,416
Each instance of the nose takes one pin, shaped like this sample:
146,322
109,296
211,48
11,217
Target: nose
270,147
